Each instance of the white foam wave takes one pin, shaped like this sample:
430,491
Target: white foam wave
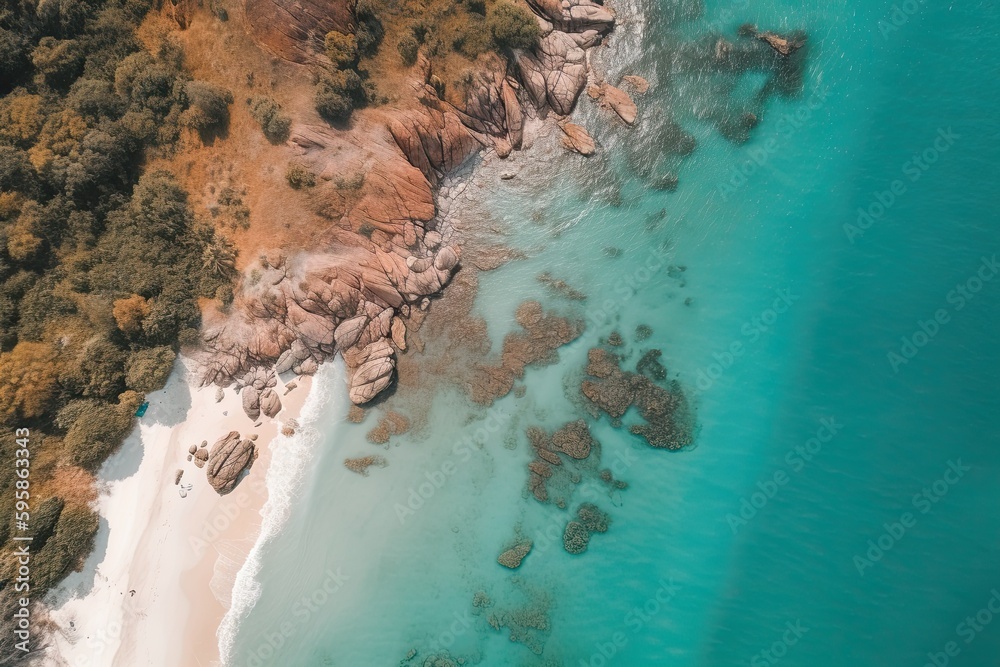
285,477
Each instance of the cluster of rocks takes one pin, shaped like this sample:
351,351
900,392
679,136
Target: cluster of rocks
229,461
572,440
361,464
616,100
258,394
611,390
199,454
528,625
589,520
512,557
541,335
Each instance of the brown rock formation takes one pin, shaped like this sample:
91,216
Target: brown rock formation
573,440
613,391
784,45
511,558
615,99
294,29
361,464
228,461
537,343
576,138
637,82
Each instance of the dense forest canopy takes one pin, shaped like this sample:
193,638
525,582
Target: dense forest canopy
101,262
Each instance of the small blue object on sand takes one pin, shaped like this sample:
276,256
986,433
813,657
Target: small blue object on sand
142,409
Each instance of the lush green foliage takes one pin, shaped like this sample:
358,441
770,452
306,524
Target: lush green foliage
339,93
268,115
341,49
512,26
100,270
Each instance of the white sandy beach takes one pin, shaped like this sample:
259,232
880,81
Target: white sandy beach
160,579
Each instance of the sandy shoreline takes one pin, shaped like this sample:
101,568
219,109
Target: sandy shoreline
180,555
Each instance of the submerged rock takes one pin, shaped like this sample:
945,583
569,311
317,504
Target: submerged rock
512,557
576,537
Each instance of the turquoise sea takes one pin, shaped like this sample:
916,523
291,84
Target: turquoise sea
839,507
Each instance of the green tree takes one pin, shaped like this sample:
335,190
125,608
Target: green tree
408,48
512,25
208,106
148,370
341,49
268,115
338,94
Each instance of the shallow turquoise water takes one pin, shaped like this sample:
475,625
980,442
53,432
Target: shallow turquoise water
680,579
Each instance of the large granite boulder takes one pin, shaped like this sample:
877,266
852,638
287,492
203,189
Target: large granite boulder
228,461
371,371
270,404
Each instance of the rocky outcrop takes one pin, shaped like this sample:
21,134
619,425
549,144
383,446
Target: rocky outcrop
370,370
511,558
575,138
574,16
639,84
615,99
554,72
294,29
228,462
270,404
784,45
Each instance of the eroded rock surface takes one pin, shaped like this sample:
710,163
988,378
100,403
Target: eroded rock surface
228,461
